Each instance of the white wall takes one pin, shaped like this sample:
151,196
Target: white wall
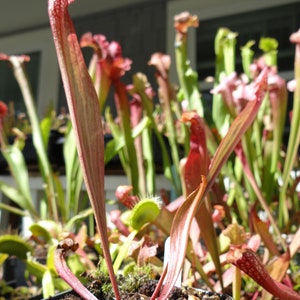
111,182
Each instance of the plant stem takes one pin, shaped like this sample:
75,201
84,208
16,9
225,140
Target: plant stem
40,147
236,284
122,105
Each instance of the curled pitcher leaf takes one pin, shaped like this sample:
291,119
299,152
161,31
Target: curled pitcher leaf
249,262
110,58
198,161
183,21
162,62
197,164
106,65
63,248
85,116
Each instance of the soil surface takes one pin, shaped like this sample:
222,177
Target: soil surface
146,290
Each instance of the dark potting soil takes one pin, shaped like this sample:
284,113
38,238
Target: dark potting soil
146,290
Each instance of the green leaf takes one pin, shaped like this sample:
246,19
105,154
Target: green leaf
14,245
3,257
114,146
45,126
81,215
188,81
225,42
51,259
40,232
294,138
140,83
60,198
76,266
247,55
74,176
48,285
36,269
14,195
268,44
21,194
123,110
145,211
123,251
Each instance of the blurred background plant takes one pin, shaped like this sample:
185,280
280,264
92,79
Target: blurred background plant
14,121
254,187
56,213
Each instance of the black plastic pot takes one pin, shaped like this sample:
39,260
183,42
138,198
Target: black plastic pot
201,293
55,148
29,153
13,272
58,296
56,158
